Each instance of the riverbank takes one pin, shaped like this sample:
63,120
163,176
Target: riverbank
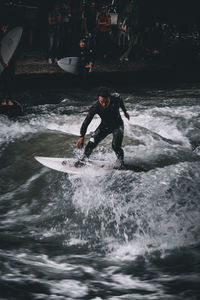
35,62
33,70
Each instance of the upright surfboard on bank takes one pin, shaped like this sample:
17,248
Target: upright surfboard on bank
69,65
9,44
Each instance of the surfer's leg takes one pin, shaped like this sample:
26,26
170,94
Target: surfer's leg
100,133
118,134
87,152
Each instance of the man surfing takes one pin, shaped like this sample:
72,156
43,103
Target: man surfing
107,107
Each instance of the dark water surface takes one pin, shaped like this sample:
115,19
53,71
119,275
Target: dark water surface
123,235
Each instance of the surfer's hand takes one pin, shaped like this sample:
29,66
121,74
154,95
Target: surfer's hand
80,142
127,115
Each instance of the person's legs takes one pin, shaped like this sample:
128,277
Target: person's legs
7,79
106,44
4,83
50,50
65,42
100,133
57,45
118,134
54,46
10,79
100,44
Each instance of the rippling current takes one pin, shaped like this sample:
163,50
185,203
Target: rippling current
121,235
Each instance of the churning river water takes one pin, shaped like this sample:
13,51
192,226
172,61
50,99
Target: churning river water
121,235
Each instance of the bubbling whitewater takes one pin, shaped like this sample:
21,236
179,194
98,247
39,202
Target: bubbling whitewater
124,235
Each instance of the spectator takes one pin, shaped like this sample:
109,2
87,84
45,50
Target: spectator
90,23
103,35
65,27
123,36
86,60
54,21
127,40
76,7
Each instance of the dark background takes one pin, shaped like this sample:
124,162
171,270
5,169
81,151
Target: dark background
33,14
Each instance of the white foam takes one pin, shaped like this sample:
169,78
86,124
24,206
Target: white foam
166,122
69,288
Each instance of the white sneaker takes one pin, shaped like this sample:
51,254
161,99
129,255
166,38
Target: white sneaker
50,61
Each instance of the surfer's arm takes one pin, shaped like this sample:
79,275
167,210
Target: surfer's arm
121,104
87,121
84,126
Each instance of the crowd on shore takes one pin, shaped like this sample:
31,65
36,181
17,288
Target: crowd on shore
92,28
88,33
95,31
99,28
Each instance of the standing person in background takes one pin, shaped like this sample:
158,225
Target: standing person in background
90,23
123,38
7,76
77,10
65,28
86,61
103,35
8,106
54,21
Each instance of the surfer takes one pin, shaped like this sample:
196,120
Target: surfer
107,107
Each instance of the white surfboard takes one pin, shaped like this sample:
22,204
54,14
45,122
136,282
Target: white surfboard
69,64
9,44
66,165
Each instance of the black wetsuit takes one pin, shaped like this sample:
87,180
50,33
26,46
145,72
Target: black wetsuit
111,122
